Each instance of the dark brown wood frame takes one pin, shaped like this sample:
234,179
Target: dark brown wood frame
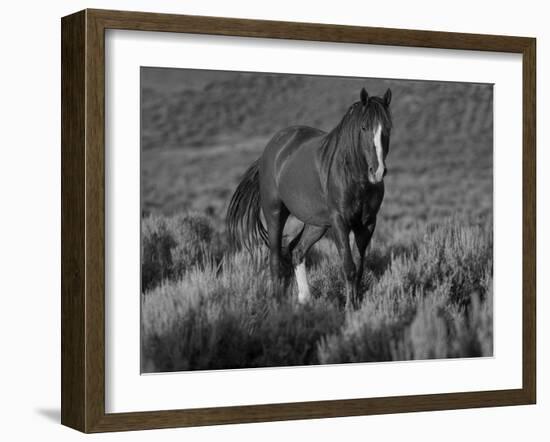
83,217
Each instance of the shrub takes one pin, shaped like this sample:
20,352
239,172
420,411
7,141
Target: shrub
428,297
433,301
171,246
156,257
215,320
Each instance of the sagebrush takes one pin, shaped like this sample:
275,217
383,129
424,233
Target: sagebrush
430,297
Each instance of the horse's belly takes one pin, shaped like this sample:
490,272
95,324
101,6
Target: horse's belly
300,190
306,209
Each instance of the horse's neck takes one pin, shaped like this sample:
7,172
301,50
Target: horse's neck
338,163
351,163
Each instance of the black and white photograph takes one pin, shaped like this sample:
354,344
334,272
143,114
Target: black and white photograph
293,220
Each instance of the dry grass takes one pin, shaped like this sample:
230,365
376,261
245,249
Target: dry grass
430,298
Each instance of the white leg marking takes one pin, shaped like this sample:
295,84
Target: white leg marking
301,279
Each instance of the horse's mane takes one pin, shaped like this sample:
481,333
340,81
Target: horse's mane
342,143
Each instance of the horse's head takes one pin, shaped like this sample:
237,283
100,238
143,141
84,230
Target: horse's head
374,138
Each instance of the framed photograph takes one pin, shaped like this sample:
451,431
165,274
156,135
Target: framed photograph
267,220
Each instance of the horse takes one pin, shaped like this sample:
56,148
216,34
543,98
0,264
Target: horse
331,180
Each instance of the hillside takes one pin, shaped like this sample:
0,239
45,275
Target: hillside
239,105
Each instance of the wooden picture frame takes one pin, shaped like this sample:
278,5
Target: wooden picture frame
83,220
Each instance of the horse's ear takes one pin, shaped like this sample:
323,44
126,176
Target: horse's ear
364,96
387,97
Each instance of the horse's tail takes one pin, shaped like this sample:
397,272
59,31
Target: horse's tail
243,220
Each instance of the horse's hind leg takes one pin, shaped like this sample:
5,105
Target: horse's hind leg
309,236
275,215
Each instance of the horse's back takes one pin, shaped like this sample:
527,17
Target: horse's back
281,146
288,140
290,168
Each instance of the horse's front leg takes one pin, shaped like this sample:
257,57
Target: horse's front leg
363,235
341,230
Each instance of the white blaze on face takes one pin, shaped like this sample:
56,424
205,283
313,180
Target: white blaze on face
379,152
301,280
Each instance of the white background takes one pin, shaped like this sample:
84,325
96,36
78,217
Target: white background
128,391
30,195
